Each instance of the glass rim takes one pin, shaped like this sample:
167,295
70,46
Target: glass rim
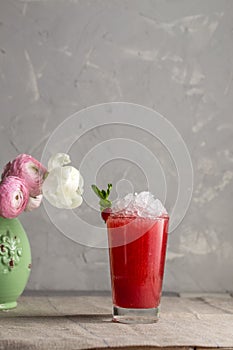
121,216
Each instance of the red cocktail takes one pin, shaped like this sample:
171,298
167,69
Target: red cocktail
137,249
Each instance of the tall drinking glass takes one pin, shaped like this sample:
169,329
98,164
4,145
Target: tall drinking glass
137,249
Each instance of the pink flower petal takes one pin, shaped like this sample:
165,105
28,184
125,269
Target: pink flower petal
14,196
30,170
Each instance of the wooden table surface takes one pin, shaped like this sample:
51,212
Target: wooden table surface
83,321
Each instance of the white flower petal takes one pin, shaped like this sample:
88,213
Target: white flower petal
34,202
76,201
63,187
81,184
58,160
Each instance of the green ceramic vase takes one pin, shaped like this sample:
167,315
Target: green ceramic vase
15,262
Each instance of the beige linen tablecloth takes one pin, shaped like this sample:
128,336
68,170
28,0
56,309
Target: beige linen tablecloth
71,321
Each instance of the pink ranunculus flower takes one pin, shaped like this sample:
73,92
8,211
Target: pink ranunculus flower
14,197
6,170
30,170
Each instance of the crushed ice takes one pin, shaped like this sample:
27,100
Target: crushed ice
143,204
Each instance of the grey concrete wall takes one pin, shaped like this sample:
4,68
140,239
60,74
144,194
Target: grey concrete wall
59,56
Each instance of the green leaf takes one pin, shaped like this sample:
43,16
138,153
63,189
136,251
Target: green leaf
105,203
103,195
97,191
45,175
109,189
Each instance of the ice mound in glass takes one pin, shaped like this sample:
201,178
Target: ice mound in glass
143,205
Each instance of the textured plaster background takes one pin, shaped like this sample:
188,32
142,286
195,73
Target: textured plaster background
59,56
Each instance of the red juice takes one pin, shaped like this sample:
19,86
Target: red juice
137,249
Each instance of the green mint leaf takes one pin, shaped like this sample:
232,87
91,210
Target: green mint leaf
105,203
103,195
97,191
109,189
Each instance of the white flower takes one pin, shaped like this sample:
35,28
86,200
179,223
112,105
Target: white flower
34,202
63,187
58,160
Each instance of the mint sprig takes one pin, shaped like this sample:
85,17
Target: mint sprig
103,195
